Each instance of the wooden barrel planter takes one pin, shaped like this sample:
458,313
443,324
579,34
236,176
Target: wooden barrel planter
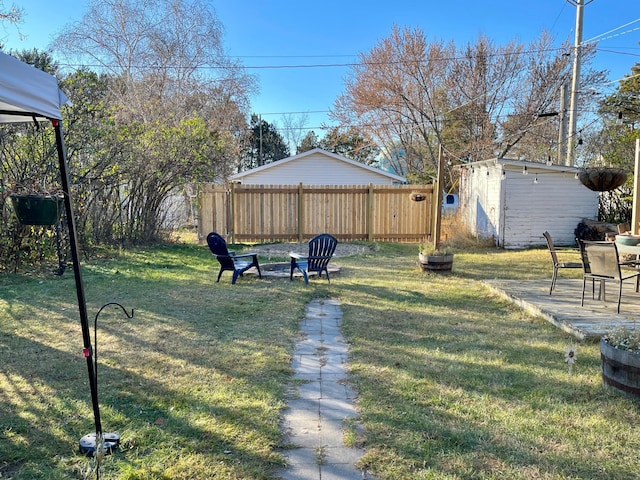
620,370
38,209
436,263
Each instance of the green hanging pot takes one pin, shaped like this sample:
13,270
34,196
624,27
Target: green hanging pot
35,209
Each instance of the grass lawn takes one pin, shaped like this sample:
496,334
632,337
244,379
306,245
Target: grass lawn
454,382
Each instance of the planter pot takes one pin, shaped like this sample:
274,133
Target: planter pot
602,179
620,370
436,263
38,209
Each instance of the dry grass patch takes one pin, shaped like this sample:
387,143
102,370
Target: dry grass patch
452,381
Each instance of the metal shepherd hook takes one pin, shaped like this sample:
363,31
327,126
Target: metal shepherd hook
98,442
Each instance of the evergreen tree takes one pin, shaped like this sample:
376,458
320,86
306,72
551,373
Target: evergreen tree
352,143
264,144
309,142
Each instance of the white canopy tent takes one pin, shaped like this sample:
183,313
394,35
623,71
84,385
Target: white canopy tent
28,94
31,95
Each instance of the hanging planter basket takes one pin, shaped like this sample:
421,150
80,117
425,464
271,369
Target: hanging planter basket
602,179
34,209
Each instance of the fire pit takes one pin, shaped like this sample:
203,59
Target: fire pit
281,270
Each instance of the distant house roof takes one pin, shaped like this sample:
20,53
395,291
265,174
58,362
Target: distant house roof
316,167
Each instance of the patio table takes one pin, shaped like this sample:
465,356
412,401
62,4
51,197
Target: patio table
628,249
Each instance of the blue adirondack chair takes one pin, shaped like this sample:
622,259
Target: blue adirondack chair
230,260
321,248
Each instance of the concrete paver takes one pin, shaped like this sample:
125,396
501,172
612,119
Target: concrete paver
314,417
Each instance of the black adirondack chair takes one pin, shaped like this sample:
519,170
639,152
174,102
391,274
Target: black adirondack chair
321,248
230,260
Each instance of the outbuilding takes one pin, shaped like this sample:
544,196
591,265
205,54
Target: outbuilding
316,167
515,201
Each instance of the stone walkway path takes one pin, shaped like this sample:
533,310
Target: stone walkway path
322,403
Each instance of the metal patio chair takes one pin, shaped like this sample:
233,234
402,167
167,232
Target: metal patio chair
557,264
602,264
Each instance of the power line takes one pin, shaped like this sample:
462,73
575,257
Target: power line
309,65
354,64
618,52
295,113
593,39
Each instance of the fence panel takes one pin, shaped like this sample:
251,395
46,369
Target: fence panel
398,218
212,210
290,213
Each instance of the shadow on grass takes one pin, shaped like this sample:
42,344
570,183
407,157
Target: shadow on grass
200,370
453,380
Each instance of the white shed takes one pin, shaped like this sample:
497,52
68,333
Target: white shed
515,202
316,167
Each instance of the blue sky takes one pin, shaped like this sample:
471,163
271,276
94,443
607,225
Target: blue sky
297,33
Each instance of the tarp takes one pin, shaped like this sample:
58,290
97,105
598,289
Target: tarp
27,93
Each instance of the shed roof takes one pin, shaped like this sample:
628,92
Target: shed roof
316,151
510,162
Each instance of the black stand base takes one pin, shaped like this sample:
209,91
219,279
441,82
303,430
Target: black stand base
88,443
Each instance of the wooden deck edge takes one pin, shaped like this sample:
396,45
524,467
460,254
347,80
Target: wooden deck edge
539,312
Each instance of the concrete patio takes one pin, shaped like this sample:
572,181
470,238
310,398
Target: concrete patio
588,322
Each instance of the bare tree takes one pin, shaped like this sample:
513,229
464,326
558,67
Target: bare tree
479,101
293,129
166,55
179,102
11,14
396,93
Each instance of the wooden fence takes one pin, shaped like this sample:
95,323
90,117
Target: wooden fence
296,213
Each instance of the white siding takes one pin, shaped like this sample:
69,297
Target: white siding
315,170
480,201
316,167
516,211
557,203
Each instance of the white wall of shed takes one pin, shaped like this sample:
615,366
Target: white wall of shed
480,201
516,211
557,204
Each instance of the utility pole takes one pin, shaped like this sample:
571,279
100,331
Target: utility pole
437,211
575,83
562,131
260,147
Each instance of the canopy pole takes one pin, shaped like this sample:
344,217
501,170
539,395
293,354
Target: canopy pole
82,304
93,442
